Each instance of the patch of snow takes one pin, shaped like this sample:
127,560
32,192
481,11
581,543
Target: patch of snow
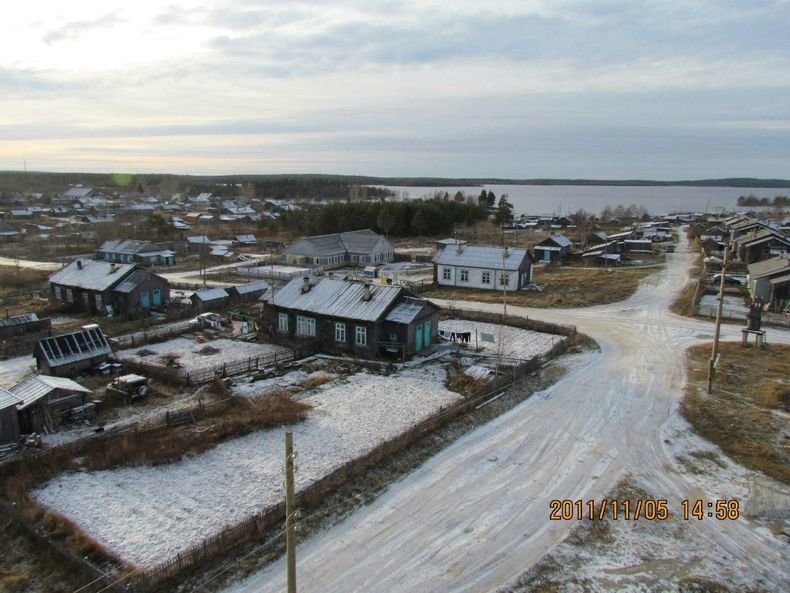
148,514
517,343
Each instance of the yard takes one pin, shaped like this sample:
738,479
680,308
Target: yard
515,342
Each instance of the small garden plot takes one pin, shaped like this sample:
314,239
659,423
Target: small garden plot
516,343
189,355
148,514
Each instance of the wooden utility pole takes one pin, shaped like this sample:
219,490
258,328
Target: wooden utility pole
504,284
715,352
290,531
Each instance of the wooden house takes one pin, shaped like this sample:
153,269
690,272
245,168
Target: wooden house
356,248
481,267
9,417
759,245
69,354
207,300
46,402
769,280
248,293
27,324
343,317
553,249
127,251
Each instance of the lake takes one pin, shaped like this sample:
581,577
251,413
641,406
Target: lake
567,199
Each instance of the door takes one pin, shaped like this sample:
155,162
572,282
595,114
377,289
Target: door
144,300
418,338
157,297
546,255
427,335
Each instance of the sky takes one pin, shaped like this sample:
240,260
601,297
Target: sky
608,89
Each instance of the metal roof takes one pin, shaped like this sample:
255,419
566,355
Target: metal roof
780,279
362,241
478,256
261,285
768,267
75,346
132,281
18,319
128,246
406,311
211,294
91,274
337,298
33,389
246,239
559,240
7,399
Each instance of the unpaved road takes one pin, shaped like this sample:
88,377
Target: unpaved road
476,515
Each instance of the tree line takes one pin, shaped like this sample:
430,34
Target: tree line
752,200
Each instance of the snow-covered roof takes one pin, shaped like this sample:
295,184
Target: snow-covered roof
128,246
362,241
91,274
260,285
559,240
478,256
246,239
132,281
33,389
337,298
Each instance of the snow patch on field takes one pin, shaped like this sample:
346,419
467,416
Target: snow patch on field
148,514
517,343
189,356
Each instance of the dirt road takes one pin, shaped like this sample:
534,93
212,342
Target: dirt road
476,515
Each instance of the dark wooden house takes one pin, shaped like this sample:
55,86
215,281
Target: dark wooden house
47,402
342,317
553,249
207,300
140,292
248,293
27,324
9,420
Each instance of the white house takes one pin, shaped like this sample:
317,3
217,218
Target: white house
489,268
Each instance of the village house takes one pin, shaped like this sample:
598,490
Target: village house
604,254
356,248
343,317
769,280
69,354
9,417
9,233
248,293
135,251
46,402
21,325
488,268
246,240
207,300
716,233
760,244
108,288
553,249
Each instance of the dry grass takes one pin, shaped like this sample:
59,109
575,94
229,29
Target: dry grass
741,415
565,287
685,303
22,279
230,419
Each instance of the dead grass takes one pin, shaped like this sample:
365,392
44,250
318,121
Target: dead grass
741,415
317,381
13,279
230,419
565,287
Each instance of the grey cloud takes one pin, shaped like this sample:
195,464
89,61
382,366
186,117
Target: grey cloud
28,82
71,31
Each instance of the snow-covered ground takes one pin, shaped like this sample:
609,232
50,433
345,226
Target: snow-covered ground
516,343
148,514
190,358
732,308
267,386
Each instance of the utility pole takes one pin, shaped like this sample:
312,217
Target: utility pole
290,531
504,284
715,352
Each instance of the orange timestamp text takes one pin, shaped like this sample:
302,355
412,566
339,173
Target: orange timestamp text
646,509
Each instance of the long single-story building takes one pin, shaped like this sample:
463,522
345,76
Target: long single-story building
489,268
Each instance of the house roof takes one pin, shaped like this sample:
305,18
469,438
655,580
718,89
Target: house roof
337,298
406,311
132,281
18,319
199,240
479,256
78,192
128,246
769,267
7,399
75,346
260,285
211,294
781,279
91,274
558,240
7,229
33,389
246,239
761,236
362,241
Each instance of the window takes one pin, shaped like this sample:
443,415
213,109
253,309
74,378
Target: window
340,332
464,275
362,336
447,273
504,279
69,295
393,338
282,322
305,326
486,278
98,302
58,296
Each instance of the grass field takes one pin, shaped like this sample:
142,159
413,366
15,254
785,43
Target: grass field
746,415
565,287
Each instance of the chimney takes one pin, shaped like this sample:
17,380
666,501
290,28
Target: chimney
113,268
79,264
458,247
306,284
366,293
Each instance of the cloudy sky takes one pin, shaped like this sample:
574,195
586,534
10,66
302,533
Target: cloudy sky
669,89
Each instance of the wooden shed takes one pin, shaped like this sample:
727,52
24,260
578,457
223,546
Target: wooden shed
47,401
9,421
